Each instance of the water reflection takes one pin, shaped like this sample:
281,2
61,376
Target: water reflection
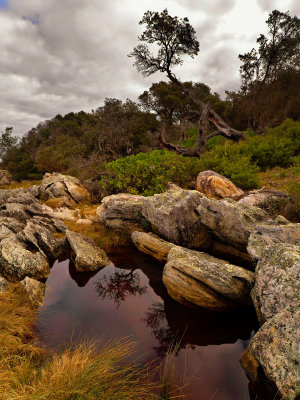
131,300
118,285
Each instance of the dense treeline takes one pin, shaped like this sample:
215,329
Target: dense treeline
84,143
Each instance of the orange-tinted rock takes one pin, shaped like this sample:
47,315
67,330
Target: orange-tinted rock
215,185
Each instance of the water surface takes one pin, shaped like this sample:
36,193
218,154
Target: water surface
131,300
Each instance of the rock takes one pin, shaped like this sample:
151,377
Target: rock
43,239
88,257
64,187
35,291
84,221
195,278
275,348
273,202
215,185
121,211
33,190
18,261
266,235
172,186
151,244
277,283
5,177
229,221
65,214
16,211
22,197
4,284
174,216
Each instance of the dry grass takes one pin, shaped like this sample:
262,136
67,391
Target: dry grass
81,371
102,236
279,178
22,184
55,202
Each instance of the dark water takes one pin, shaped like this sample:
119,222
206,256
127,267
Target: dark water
131,301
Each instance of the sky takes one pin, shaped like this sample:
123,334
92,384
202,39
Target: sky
59,56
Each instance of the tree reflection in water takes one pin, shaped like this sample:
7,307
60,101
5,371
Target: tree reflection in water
120,284
156,320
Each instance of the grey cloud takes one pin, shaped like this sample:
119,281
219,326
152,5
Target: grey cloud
216,7
290,5
59,56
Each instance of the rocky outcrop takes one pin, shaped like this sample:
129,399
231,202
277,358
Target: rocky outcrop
68,189
86,255
18,261
215,185
274,202
27,242
275,349
121,211
198,279
151,244
5,177
229,221
173,215
277,283
266,235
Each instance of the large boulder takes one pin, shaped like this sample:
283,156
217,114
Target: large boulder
215,185
266,235
173,215
274,202
121,211
198,279
151,244
275,350
229,221
19,260
67,190
277,280
87,256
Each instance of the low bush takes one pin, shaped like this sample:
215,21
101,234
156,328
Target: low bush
149,173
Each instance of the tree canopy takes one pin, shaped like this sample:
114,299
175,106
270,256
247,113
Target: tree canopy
280,50
174,37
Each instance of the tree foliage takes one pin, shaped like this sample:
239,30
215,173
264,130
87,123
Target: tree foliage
174,37
280,50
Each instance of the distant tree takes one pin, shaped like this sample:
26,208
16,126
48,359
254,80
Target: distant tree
175,38
7,141
270,76
279,51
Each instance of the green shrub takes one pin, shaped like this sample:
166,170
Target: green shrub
148,173
227,160
274,148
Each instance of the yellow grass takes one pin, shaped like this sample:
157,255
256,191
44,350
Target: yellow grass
81,371
22,184
102,236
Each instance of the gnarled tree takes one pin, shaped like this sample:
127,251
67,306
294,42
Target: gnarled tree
175,37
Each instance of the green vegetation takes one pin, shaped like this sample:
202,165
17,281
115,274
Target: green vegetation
148,173
80,371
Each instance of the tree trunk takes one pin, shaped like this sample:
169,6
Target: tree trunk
208,116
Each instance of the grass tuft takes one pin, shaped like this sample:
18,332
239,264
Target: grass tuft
87,370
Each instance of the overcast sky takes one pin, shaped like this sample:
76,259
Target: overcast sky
59,56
